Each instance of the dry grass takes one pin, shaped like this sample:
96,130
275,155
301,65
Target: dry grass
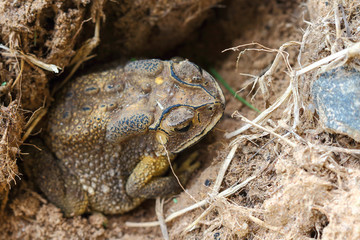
312,188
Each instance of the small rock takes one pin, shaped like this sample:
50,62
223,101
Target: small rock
336,95
98,220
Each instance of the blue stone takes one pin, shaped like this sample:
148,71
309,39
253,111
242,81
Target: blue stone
336,96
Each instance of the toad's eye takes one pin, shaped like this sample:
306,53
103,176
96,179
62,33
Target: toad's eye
184,128
178,120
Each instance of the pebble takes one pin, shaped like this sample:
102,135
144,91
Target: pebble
336,96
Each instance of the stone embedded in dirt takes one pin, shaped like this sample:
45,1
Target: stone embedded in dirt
336,95
98,220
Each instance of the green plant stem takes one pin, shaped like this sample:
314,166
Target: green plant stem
231,90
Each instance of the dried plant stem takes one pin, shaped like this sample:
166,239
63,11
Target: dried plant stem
170,217
19,75
269,131
225,193
41,113
29,58
191,158
83,54
349,52
264,225
198,219
159,206
216,187
264,115
336,149
223,169
337,20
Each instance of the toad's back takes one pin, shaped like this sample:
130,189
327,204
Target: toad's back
77,131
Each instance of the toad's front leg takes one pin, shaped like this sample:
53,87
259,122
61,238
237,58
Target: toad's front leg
146,180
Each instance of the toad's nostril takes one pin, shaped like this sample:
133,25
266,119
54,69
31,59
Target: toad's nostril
196,79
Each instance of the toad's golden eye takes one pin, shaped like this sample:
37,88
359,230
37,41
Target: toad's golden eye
183,129
179,119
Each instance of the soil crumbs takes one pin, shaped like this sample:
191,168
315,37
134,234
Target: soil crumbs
291,190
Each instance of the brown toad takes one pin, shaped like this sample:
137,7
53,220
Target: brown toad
111,133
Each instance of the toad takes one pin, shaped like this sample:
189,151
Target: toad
111,134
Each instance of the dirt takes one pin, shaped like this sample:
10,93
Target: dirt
298,192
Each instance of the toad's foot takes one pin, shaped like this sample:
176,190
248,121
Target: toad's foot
189,165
